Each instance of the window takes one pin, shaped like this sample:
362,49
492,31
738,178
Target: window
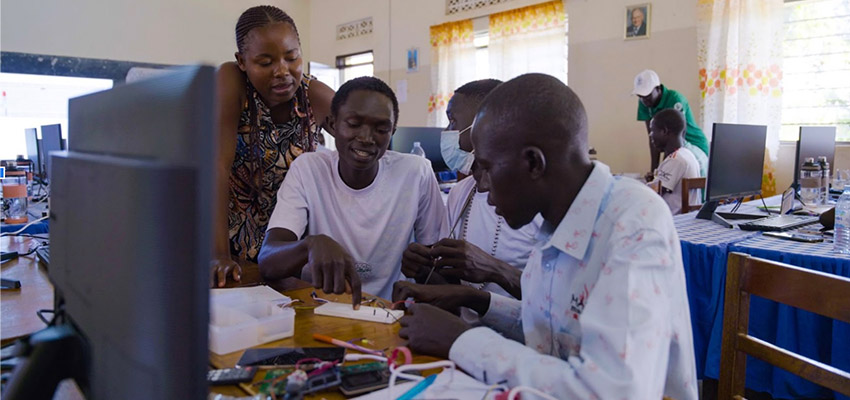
29,101
355,65
816,67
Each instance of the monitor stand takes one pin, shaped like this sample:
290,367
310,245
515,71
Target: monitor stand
708,212
48,357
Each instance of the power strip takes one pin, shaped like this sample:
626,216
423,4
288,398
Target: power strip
365,313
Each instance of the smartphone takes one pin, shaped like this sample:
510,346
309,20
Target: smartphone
364,382
795,236
289,356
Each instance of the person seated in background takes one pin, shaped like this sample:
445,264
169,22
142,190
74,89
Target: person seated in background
481,249
667,133
605,311
345,217
655,97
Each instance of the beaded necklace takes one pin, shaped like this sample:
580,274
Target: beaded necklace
465,215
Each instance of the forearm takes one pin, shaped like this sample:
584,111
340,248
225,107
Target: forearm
280,259
222,239
477,300
509,280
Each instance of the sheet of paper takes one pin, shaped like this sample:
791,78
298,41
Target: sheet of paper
401,90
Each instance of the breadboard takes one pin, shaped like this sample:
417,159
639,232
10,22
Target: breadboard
365,313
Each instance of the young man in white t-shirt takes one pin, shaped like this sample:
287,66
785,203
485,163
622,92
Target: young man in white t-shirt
345,217
667,132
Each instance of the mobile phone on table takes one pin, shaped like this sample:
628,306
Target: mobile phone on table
289,356
795,236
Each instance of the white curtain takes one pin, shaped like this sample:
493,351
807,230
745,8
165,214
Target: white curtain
740,59
529,39
453,64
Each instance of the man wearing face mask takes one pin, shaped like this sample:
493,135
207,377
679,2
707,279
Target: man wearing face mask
482,250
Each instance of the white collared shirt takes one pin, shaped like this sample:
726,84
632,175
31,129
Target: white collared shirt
604,313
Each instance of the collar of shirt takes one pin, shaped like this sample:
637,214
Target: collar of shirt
572,236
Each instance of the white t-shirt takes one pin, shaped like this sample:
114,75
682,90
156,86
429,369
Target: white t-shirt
680,164
512,246
374,224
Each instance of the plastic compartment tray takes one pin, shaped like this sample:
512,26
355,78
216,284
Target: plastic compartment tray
245,317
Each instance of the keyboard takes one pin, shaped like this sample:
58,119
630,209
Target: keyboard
43,255
778,223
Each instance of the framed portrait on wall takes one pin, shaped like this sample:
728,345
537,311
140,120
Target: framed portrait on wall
412,59
637,21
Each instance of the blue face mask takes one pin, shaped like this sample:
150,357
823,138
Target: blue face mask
456,158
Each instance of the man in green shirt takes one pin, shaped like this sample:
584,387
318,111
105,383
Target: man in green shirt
654,97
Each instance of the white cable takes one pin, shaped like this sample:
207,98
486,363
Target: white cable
515,391
24,228
398,372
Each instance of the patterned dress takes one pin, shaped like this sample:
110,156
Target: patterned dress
264,152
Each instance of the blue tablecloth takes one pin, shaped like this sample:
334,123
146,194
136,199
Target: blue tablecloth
704,251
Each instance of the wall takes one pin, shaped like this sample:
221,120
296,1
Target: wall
397,26
153,31
603,66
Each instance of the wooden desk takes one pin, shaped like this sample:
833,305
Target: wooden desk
306,324
18,307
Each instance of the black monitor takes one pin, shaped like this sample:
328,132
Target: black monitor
429,139
131,241
815,141
51,140
31,136
735,164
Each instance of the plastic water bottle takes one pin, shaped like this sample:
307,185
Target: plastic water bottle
824,186
810,182
417,149
842,223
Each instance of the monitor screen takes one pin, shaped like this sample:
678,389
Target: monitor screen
429,139
31,136
51,140
815,141
736,161
131,234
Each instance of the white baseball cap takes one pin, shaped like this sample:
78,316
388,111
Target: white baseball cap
645,81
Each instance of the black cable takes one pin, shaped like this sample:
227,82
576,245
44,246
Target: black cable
32,250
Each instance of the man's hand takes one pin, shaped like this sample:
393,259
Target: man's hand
221,267
416,263
430,330
332,267
460,259
447,297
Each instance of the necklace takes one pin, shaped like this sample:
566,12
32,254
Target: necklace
465,215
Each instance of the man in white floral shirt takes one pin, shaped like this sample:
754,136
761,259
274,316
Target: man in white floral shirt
604,313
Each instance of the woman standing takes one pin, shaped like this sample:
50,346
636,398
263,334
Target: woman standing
270,112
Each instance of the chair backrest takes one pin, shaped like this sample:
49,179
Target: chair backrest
687,185
813,291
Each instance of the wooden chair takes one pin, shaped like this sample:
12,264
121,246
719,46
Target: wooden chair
687,185
813,291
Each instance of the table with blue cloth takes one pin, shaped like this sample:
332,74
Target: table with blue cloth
705,248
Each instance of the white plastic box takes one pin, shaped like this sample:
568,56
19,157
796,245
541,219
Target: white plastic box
245,317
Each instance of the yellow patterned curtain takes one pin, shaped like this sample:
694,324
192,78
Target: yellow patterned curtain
529,39
452,65
740,59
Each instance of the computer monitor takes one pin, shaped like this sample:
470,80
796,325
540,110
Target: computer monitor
815,141
429,138
131,235
735,164
31,136
51,140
